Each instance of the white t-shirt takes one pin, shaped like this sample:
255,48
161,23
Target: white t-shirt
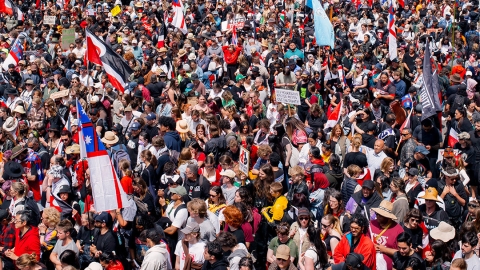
312,254
179,220
196,252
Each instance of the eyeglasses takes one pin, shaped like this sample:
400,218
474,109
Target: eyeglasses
472,205
358,67
415,220
326,226
65,140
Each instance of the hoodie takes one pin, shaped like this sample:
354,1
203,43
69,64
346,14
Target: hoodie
157,257
172,140
236,256
357,202
28,243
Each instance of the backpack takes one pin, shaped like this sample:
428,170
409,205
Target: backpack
457,103
173,155
118,155
141,206
30,205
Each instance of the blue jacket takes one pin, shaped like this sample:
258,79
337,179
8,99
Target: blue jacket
400,88
172,140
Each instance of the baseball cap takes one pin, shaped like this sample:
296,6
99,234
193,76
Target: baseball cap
103,217
136,126
180,190
368,184
191,227
228,173
283,252
412,171
175,179
421,149
151,116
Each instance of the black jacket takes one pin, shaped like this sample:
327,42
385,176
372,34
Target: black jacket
373,202
218,265
197,189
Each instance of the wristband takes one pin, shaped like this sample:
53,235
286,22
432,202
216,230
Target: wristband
42,234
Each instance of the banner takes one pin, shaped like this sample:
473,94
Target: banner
324,34
428,97
238,22
244,161
68,37
287,96
115,11
49,20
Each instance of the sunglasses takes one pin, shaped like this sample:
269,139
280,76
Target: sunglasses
472,205
325,226
211,195
304,218
415,220
406,134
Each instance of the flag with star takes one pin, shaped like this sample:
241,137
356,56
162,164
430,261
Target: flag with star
107,191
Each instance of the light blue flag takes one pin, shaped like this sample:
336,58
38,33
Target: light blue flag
324,34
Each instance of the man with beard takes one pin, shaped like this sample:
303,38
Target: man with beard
286,79
105,241
367,199
467,252
405,252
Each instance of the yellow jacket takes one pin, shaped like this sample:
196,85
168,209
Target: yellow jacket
275,212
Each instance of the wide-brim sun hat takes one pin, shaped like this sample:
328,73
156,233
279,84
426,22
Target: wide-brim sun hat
110,138
182,126
10,124
385,209
444,232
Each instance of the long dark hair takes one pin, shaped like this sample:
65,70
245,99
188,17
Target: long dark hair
441,252
314,236
262,186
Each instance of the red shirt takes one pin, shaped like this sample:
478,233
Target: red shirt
387,239
27,244
127,185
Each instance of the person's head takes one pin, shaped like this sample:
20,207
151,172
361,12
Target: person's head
216,195
246,263
50,217
213,252
358,225
282,231
404,244
469,242
153,237
457,264
397,185
69,258
440,250
283,256
227,240
107,258
276,189
379,145
23,219
354,171
191,172
297,174
451,176
233,216
27,261
197,208
242,195
334,200
368,188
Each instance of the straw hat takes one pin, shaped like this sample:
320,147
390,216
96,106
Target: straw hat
59,94
17,150
430,194
19,109
110,138
181,52
163,49
182,126
10,124
264,43
444,232
73,149
385,209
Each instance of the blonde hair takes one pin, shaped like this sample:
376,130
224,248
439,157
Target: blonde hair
353,170
25,260
386,163
296,170
357,141
52,216
185,156
333,220
197,206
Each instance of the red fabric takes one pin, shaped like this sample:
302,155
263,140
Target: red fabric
459,70
127,185
231,58
319,179
364,247
28,243
88,203
80,168
116,265
387,239
200,157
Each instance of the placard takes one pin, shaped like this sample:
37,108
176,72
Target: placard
287,96
238,22
192,101
68,37
49,20
116,10
244,161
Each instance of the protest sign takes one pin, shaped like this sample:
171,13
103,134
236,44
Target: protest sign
192,101
49,20
116,10
68,37
244,160
287,96
238,22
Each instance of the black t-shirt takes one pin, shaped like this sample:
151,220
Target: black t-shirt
422,165
316,123
105,243
253,121
415,234
400,262
239,234
357,158
85,236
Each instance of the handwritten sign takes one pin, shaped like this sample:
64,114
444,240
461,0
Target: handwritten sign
238,22
68,37
49,20
288,96
244,161
192,101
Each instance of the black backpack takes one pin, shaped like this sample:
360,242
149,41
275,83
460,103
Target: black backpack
30,205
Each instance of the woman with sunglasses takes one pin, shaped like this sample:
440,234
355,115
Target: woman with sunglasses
331,232
411,225
216,201
298,230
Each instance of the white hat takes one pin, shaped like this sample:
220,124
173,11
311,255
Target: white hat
469,73
75,122
192,56
94,266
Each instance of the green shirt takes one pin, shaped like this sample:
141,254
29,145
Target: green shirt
290,243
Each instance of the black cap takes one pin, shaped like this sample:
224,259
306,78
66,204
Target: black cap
368,184
371,126
412,171
255,69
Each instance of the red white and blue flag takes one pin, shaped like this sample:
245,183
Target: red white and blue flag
115,66
234,36
178,19
16,52
161,35
334,117
392,32
107,191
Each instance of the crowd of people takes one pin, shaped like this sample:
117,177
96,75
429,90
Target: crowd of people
218,174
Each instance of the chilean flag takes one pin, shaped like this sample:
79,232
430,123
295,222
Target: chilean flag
452,137
107,191
334,117
16,52
178,16
6,7
115,66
